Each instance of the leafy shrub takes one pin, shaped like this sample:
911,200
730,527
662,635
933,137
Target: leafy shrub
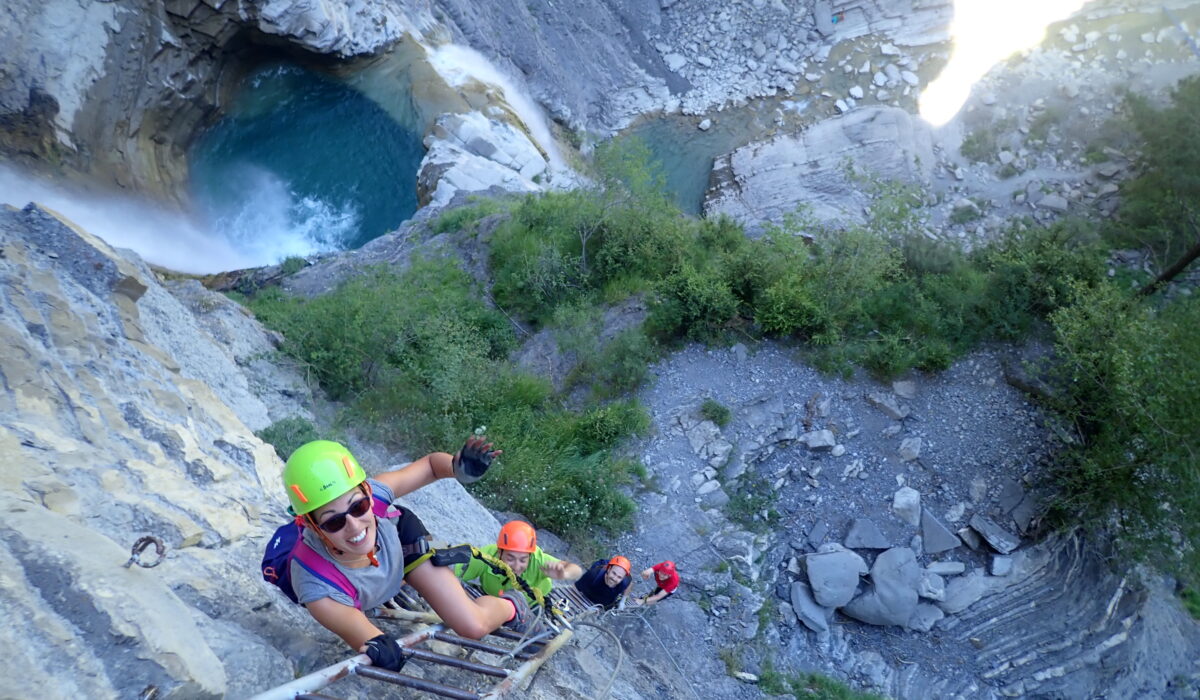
1139,424
748,502
1160,210
421,362
287,434
292,265
1191,601
382,328
549,473
693,303
715,411
622,365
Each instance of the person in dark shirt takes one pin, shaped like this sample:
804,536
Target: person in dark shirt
606,581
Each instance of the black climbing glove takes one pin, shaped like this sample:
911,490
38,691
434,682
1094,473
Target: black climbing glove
385,652
473,460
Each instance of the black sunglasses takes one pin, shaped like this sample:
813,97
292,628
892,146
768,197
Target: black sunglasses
357,509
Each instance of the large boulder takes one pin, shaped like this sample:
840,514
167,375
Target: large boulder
833,574
892,597
765,181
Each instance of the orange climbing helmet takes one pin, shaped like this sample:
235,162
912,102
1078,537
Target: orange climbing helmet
517,536
621,562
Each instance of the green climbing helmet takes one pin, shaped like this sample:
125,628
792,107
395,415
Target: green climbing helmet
317,473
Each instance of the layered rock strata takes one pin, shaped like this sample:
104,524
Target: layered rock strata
766,181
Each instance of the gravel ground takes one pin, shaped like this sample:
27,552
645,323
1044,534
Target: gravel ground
976,433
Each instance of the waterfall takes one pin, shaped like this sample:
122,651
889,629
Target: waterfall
458,64
161,236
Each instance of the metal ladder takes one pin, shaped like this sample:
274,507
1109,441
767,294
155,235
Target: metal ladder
513,658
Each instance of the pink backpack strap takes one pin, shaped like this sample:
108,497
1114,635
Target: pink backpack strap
380,506
324,569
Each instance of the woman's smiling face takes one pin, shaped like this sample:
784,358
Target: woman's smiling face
357,534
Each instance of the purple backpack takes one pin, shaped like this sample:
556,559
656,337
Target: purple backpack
288,543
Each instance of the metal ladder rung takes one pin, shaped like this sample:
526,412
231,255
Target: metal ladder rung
402,679
434,657
480,646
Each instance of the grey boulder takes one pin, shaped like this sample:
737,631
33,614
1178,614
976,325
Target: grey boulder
833,574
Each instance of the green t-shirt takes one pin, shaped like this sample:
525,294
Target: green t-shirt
493,583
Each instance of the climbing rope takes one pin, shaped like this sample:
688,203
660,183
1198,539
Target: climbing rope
620,657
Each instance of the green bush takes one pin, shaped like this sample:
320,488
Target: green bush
715,411
1160,209
621,366
292,265
752,497
695,304
807,686
558,468
1131,375
1191,601
287,434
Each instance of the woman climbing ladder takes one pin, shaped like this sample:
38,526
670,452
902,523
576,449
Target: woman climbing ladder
332,498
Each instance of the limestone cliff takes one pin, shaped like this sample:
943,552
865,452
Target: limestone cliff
126,411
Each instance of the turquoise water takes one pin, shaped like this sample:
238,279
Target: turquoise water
302,163
685,154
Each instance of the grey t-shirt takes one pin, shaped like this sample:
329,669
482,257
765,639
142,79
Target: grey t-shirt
376,584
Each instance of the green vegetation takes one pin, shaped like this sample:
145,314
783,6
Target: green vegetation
292,265
289,433
732,659
465,218
611,368
807,686
420,359
1161,207
1128,366
1191,601
981,144
965,215
749,501
716,412
1132,378
1039,127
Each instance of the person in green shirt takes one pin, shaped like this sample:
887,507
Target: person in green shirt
517,547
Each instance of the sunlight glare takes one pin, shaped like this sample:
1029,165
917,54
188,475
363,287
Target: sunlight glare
985,32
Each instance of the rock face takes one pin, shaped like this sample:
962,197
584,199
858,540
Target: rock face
117,440
588,62
126,411
472,153
765,181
